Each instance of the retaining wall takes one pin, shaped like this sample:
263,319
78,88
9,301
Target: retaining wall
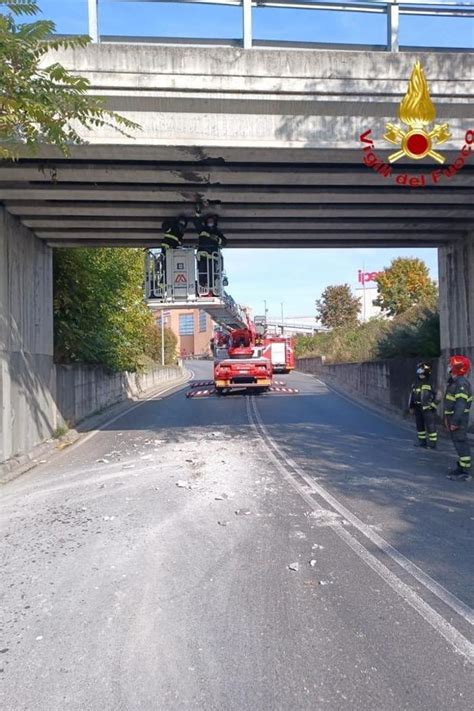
385,382
84,390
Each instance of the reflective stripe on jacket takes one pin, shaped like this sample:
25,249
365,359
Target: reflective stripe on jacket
458,400
423,395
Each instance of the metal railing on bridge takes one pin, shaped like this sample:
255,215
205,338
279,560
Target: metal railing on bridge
392,9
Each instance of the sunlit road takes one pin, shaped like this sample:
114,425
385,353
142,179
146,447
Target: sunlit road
268,553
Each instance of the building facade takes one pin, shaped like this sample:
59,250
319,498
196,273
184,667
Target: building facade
193,329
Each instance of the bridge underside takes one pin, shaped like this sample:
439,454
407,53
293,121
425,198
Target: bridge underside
119,195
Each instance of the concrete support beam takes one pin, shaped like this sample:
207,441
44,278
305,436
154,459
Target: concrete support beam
456,286
27,376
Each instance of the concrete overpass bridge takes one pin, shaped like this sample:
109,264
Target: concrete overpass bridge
271,139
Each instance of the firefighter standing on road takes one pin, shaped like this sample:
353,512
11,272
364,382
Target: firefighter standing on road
457,406
423,403
211,240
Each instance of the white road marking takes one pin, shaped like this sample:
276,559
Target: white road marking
457,640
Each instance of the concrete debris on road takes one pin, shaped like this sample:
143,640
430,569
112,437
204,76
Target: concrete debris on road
181,484
102,461
223,523
294,566
312,562
243,512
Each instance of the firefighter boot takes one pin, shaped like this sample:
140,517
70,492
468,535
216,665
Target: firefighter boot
460,474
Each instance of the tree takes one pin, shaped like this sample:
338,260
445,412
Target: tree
100,315
415,333
42,103
405,283
338,307
153,344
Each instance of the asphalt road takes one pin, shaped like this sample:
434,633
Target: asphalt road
121,591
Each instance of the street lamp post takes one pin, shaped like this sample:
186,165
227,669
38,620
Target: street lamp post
162,338
282,320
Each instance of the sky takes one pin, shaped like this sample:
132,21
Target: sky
258,275
298,277
134,17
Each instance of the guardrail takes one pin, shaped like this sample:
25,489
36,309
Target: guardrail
392,9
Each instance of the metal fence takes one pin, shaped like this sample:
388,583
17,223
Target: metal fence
392,9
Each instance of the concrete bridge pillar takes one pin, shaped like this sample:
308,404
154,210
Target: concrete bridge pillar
456,288
27,375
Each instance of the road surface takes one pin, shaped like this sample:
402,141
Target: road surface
310,558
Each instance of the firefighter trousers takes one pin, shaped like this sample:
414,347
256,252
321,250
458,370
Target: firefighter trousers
209,266
426,426
461,444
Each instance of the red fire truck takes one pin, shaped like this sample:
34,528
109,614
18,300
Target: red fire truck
280,350
239,363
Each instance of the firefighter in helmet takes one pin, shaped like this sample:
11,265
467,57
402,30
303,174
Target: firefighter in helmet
172,233
423,404
173,229
209,257
457,406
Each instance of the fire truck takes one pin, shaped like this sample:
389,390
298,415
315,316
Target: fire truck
280,350
239,363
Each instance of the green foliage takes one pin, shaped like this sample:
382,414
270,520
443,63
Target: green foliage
405,283
416,333
100,313
60,431
153,344
412,334
338,307
42,103
344,345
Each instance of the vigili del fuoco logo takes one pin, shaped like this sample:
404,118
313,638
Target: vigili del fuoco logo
418,138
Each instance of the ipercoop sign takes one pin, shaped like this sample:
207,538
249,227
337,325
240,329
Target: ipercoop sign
364,277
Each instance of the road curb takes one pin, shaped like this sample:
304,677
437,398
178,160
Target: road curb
17,466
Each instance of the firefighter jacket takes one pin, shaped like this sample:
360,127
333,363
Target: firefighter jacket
173,233
210,238
458,400
423,395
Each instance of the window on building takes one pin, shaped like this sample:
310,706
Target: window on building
186,324
202,321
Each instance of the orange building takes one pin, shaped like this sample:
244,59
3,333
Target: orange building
192,327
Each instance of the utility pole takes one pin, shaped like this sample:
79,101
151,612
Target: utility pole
266,310
162,337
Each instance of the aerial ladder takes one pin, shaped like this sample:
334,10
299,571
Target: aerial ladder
171,283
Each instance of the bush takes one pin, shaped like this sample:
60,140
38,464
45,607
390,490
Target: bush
344,345
416,333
